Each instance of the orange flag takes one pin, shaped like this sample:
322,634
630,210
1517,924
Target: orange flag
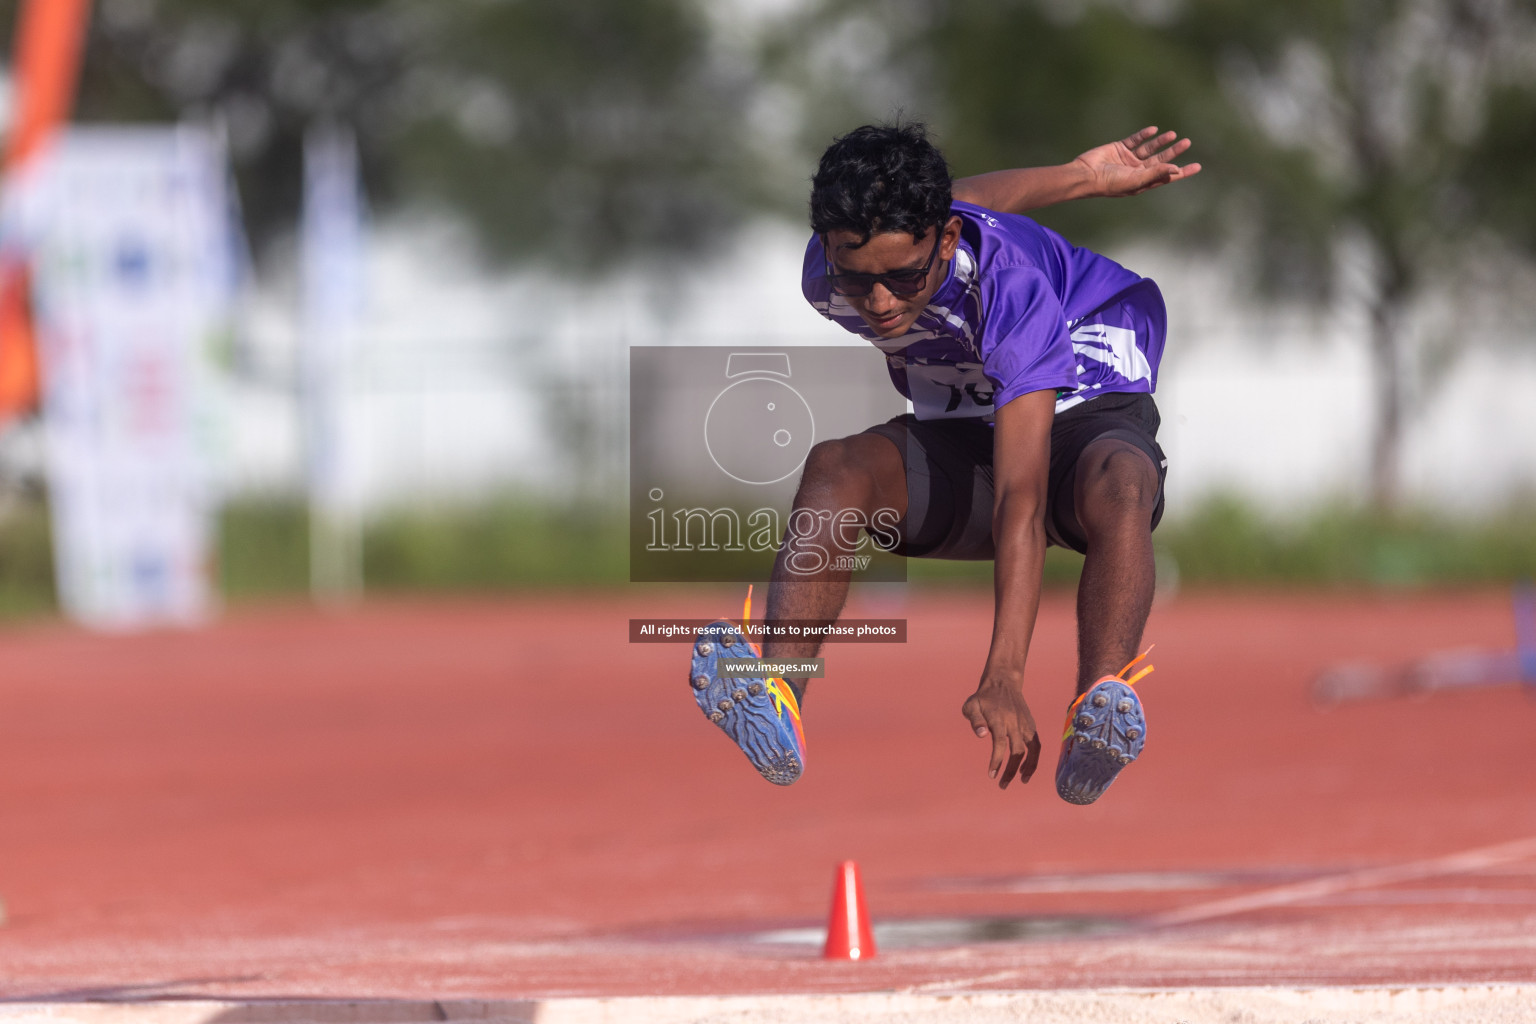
49,39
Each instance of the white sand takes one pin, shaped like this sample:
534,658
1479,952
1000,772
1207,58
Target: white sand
1458,1004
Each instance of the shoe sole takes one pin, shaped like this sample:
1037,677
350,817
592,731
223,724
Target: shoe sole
741,707
1109,730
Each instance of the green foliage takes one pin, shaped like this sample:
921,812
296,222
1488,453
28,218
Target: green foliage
264,549
26,560
516,546
1380,131
1400,124
1021,86
264,70
1387,113
1223,541
504,545
1227,541
495,546
1504,154
580,134
588,132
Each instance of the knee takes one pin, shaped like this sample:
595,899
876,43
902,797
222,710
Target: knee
836,472
1116,482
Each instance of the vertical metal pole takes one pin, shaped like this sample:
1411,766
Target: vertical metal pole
332,298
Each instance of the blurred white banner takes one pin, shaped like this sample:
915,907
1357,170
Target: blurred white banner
132,238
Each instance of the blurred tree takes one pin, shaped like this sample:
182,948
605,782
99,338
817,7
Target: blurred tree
589,131
1004,83
581,133
1389,138
1363,150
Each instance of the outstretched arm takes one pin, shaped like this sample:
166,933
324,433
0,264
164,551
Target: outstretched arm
1022,459
1131,166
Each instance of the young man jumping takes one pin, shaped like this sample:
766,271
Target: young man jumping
1030,364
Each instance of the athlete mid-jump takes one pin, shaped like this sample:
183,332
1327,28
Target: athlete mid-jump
1030,364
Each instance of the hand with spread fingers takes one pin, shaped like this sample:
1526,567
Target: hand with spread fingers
1140,161
998,711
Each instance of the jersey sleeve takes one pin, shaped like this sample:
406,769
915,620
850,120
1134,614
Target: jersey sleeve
813,279
1024,342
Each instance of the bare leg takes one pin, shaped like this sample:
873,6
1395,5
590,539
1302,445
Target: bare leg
862,473
1115,494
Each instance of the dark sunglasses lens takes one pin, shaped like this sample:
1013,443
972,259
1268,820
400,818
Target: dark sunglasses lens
906,283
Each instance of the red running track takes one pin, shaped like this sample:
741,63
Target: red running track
505,799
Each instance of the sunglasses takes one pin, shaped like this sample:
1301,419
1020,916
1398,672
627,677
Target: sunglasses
897,282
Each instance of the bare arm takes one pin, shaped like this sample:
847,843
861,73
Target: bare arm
1138,162
1022,458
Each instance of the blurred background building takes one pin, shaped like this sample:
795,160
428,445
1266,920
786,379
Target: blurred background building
547,184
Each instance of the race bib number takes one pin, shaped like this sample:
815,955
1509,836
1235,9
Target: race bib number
945,391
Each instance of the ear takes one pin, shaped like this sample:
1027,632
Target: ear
951,240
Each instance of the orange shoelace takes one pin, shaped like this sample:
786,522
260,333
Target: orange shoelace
783,694
746,617
1145,671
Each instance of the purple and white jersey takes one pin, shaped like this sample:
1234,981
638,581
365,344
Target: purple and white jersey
1022,310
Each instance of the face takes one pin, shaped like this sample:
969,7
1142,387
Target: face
888,314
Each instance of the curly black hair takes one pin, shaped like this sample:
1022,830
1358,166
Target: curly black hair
881,178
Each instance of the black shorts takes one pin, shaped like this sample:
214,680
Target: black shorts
949,474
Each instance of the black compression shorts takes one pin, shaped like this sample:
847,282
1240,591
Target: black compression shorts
950,481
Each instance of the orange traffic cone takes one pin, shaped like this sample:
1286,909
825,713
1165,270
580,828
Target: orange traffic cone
848,933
